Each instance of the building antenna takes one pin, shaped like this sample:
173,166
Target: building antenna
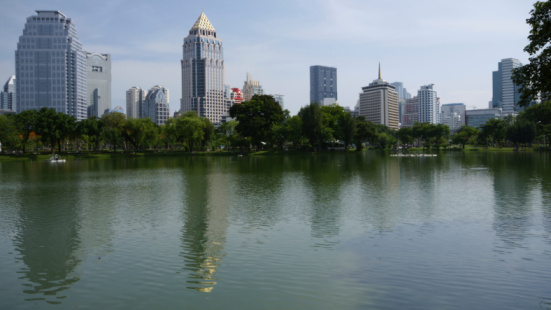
379,70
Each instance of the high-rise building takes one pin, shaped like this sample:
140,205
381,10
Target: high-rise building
379,103
251,88
50,66
98,79
279,99
453,115
505,93
411,112
402,96
323,83
135,97
8,100
156,105
429,106
203,72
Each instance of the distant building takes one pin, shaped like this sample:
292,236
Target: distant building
8,97
50,66
429,106
117,109
203,72
479,117
506,94
411,112
156,105
236,95
453,115
251,88
98,79
379,103
279,99
135,97
323,84
402,96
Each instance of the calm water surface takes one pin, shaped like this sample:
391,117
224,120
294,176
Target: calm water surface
354,231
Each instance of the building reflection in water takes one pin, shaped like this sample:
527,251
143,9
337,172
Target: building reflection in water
205,217
513,191
47,238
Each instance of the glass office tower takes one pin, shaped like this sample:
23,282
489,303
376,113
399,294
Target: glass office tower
50,66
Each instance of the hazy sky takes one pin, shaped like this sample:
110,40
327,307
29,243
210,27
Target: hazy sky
454,45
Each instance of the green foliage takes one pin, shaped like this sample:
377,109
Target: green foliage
331,117
140,133
54,127
405,135
365,132
190,129
113,127
91,129
25,123
521,132
256,118
347,125
8,132
464,134
312,124
494,130
534,78
433,135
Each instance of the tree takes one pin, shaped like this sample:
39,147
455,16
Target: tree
190,129
347,125
208,132
91,128
140,132
25,123
112,131
54,127
405,135
365,132
256,118
534,78
494,129
227,132
522,131
331,117
464,134
8,132
312,123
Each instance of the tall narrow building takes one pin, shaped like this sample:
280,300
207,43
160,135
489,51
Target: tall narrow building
203,72
505,93
50,66
98,79
379,103
323,84
156,105
8,94
429,107
135,97
251,88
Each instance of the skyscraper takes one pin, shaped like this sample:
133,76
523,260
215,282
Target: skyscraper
156,105
203,72
251,88
8,100
429,107
50,66
505,93
323,83
135,97
98,79
402,96
379,103
411,112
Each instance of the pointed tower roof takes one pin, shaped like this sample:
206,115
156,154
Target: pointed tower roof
203,23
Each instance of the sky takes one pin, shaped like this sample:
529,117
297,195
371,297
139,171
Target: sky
454,45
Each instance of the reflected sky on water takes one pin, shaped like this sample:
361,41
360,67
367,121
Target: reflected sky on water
346,231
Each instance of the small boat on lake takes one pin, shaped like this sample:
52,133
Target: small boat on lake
56,158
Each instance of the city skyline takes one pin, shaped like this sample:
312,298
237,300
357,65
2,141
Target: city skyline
446,45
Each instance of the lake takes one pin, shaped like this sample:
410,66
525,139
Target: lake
313,231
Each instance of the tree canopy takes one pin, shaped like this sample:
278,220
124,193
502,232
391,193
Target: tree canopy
534,78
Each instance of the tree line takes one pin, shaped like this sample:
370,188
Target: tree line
259,124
